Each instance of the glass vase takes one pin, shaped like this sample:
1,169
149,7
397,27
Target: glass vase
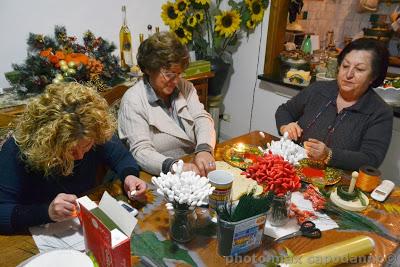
280,209
182,224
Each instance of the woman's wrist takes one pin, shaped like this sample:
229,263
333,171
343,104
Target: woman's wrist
281,129
328,157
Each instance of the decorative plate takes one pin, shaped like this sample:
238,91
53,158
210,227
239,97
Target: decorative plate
310,171
242,160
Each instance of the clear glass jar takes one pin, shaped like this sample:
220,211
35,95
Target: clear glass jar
182,224
331,67
280,209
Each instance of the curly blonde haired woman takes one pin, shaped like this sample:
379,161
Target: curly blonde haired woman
57,145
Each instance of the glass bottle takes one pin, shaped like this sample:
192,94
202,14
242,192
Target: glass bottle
125,43
330,41
306,45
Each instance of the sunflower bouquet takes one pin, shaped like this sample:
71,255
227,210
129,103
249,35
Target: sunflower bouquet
208,30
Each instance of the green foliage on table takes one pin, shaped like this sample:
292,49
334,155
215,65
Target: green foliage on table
147,244
249,205
350,220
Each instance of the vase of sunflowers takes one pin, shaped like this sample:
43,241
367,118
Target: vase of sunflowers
211,32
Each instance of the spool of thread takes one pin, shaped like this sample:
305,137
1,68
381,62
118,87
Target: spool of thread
368,178
334,254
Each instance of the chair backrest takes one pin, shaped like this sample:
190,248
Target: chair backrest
6,119
5,124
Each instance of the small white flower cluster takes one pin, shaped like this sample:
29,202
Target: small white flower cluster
183,188
286,148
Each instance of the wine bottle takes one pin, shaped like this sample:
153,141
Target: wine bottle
125,43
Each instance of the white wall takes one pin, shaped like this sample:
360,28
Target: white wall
248,62
102,17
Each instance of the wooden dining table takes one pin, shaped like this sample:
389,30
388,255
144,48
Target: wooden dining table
153,219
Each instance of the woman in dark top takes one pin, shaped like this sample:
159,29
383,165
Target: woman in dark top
53,155
344,123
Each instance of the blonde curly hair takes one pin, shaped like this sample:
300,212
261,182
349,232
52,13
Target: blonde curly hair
54,122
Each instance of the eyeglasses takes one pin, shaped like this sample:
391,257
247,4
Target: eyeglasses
169,76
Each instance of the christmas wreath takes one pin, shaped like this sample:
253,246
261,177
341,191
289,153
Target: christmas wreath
61,59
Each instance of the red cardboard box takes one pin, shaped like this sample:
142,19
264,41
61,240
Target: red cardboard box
107,228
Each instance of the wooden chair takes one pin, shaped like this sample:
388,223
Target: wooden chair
5,124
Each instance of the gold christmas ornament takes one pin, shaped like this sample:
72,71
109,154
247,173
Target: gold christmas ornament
64,68
71,72
72,65
56,81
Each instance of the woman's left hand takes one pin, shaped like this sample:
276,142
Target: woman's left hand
205,162
316,150
134,184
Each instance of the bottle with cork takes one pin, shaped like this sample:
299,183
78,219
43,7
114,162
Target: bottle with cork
125,43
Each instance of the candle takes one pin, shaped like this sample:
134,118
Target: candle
240,148
354,176
238,151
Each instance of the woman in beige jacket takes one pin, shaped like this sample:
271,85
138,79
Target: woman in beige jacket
161,117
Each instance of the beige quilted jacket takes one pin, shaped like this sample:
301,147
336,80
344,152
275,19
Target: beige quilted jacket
153,136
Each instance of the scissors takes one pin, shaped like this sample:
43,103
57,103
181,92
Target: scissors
307,229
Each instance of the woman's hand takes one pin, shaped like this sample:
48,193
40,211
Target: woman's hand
63,207
205,162
190,167
316,150
136,185
293,129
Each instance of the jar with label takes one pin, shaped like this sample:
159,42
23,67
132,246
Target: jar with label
331,67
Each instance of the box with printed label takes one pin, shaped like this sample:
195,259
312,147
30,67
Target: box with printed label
197,67
242,236
107,229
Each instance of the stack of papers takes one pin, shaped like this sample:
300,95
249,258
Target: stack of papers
61,235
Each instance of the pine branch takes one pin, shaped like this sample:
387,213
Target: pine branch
355,221
249,205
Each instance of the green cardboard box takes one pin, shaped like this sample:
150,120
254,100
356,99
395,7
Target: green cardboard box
197,67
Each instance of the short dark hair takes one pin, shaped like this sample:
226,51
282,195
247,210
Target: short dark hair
380,57
161,50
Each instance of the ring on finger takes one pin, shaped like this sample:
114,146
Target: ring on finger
211,164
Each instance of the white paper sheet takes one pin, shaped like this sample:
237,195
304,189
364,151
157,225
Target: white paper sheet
323,221
61,235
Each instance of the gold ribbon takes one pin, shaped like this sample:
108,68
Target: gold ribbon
368,178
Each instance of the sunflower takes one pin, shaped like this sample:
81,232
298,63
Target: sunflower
202,2
192,21
227,23
199,16
183,35
251,24
256,10
171,16
182,5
